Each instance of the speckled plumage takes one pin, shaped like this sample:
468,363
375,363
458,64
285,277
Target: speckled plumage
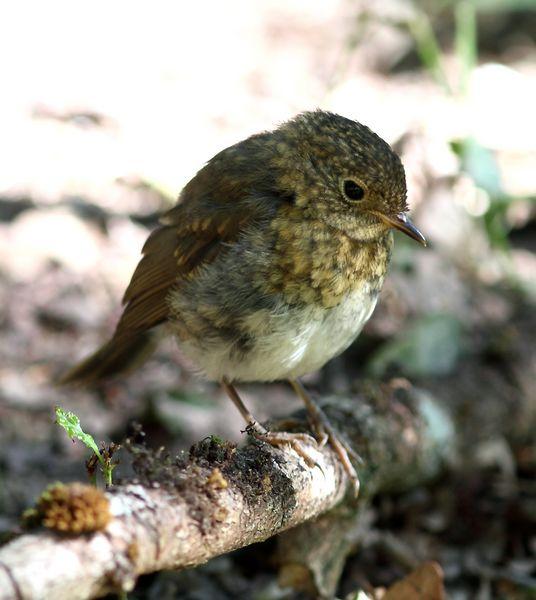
266,268
263,312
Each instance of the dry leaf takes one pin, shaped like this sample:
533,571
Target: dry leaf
424,583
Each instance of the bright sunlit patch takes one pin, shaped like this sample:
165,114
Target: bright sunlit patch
501,105
475,200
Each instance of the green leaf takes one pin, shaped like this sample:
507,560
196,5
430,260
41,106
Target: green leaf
503,5
428,48
191,398
466,40
431,347
71,424
480,164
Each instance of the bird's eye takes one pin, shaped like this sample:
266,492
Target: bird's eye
353,190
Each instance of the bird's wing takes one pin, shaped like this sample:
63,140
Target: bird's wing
234,188
192,234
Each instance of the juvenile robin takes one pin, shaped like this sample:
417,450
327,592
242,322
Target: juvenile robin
269,264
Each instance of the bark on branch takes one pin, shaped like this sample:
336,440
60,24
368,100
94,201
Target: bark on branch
182,513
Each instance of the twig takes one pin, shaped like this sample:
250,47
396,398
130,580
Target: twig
180,514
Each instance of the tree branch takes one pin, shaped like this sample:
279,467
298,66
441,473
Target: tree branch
182,513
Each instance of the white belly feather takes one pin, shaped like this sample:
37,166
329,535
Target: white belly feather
287,344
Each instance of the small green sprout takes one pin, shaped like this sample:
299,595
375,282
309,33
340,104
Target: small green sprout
71,424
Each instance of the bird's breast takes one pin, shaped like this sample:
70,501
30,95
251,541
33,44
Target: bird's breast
326,332
291,341
278,306
313,263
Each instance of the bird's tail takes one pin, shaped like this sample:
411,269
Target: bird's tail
121,354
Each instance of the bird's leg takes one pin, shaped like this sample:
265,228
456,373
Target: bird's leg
297,441
242,408
325,432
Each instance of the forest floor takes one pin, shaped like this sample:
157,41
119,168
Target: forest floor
86,172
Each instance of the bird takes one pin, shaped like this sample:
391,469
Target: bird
269,264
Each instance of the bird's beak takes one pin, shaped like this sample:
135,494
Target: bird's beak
402,223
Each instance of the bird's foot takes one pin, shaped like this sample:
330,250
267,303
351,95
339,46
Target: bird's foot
324,433
299,442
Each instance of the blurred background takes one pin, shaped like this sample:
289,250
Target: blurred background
107,109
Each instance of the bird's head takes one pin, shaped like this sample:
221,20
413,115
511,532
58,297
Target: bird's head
340,172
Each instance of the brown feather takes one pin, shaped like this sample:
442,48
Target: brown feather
118,355
191,235
213,208
170,254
